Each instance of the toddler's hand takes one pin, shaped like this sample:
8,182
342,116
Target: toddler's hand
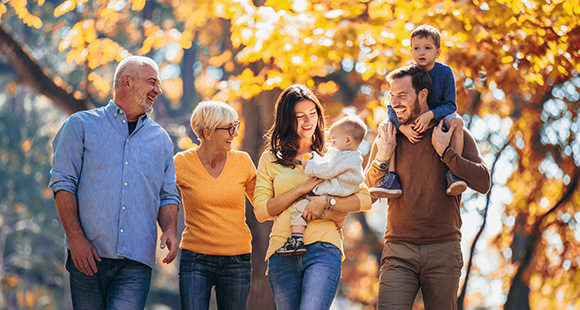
410,133
423,121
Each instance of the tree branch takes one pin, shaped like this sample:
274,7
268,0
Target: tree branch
32,74
518,283
461,298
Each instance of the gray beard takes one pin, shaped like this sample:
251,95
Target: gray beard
142,101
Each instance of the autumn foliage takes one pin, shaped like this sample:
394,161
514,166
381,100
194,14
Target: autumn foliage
516,66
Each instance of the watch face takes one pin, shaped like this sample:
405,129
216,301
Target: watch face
383,166
332,201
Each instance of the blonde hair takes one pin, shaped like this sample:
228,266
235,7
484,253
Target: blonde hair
211,115
352,126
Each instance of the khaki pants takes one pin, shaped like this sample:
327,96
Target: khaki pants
296,218
405,267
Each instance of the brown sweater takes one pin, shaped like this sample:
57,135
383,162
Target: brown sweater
424,214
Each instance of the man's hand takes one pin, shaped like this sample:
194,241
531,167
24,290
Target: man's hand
315,208
412,135
386,142
422,122
168,239
84,255
439,139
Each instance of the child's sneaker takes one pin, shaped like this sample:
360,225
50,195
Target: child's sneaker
455,185
389,187
293,246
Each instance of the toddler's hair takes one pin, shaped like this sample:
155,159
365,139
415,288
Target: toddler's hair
353,126
426,31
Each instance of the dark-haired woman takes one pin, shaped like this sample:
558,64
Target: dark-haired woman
308,281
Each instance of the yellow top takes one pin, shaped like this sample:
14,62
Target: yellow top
273,180
215,209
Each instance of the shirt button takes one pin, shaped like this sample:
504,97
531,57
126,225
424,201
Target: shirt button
123,121
121,230
127,140
126,163
123,208
125,183
115,114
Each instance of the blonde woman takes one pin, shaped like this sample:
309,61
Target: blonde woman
214,181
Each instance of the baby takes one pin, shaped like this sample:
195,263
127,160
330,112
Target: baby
342,173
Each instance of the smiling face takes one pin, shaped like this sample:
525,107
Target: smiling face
405,101
306,119
146,87
223,140
424,52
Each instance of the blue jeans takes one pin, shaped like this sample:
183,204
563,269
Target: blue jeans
118,284
231,276
306,282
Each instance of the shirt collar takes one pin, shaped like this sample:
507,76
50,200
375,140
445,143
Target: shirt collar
114,109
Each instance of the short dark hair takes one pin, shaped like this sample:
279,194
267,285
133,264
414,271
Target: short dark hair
420,79
426,31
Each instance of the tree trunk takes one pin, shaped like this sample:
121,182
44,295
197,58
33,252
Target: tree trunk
518,296
31,74
257,115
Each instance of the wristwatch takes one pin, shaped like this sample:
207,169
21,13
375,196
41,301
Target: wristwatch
330,202
383,165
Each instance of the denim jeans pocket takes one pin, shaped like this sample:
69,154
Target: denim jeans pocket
190,256
243,258
327,246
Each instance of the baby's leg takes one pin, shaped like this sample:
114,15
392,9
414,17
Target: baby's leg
297,222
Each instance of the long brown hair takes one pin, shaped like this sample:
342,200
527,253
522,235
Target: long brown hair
283,135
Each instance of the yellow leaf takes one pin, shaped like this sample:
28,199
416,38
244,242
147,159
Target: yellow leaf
138,5
507,59
64,7
367,74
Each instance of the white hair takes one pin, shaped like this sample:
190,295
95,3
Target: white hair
129,66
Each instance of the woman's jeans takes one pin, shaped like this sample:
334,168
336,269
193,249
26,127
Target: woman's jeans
118,284
231,276
306,282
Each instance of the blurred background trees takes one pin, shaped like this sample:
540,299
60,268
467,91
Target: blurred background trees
517,72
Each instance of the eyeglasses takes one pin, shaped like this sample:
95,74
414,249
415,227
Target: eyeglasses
232,129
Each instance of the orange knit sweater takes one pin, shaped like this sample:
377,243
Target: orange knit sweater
215,213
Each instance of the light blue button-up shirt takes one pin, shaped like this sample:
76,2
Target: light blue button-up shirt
120,180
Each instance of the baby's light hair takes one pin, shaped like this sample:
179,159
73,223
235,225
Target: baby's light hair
426,31
211,115
352,126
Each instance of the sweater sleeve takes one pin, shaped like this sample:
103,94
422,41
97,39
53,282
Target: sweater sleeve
373,174
470,167
327,167
448,104
251,183
264,189
364,198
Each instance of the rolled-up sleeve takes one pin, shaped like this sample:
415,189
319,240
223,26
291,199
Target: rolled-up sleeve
67,159
264,189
